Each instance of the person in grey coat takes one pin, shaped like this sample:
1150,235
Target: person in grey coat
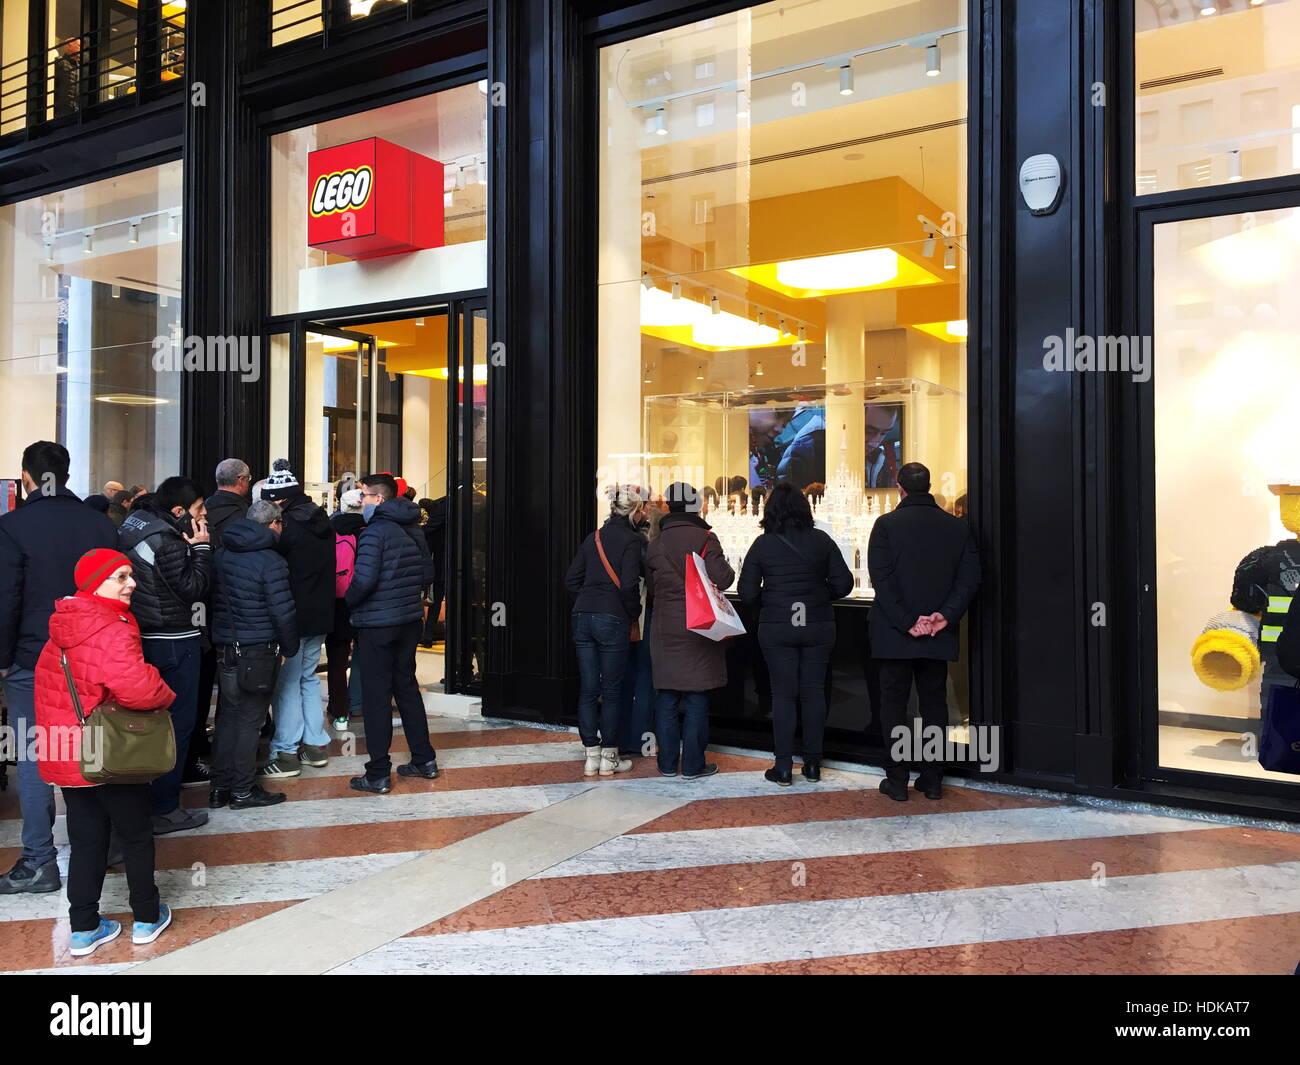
684,664
925,567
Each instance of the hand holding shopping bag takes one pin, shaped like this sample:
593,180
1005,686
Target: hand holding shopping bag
708,611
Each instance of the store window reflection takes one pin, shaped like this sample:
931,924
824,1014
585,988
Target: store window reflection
1218,92
1227,479
90,297
782,269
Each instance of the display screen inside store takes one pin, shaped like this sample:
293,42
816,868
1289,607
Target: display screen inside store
782,262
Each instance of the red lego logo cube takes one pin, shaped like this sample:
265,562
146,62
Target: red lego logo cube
370,198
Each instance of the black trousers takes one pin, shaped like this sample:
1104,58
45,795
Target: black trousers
896,677
797,658
386,658
338,649
200,746
125,811
240,715
437,590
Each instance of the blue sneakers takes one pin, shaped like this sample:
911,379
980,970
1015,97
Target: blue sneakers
142,933
84,943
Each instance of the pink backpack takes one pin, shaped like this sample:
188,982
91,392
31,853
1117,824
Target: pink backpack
345,557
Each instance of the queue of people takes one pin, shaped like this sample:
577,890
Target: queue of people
241,589
924,567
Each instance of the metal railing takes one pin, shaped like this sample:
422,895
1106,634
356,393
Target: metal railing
323,21
79,73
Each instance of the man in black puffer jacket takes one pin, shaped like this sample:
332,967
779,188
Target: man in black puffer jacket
166,539
255,628
307,543
392,569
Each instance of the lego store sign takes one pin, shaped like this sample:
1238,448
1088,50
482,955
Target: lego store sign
371,198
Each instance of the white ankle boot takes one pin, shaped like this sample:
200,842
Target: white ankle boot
611,763
592,765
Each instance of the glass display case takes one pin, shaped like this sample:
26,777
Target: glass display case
841,443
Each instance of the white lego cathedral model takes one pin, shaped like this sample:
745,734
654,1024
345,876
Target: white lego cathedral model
845,513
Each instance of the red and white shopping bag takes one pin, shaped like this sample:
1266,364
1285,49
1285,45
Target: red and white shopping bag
708,611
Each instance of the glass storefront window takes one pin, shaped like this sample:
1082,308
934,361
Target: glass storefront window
1227,447
449,127
1218,92
782,262
90,293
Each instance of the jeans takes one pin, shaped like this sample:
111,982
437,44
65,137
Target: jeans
296,705
93,812
601,641
344,691
386,657
239,720
896,676
636,715
178,662
35,797
691,735
797,658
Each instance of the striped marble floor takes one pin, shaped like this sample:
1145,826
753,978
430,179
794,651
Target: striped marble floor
728,874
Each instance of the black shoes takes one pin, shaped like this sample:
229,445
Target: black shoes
812,769
931,789
382,786
26,875
429,770
196,775
218,797
778,776
709,769
258,796
897,792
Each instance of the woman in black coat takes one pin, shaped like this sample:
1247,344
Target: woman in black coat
793,572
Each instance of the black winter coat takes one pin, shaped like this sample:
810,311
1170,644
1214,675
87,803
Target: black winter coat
223,507
40,544
171,575
589,584
392,569
251,598
921,559
681,660
777,575
307,542
435,537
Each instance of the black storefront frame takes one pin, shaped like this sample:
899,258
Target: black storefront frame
1134,661
588,38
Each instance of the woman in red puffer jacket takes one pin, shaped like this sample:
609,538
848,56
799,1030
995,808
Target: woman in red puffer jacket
97,632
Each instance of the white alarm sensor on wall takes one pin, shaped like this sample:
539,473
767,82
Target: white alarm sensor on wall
1040,183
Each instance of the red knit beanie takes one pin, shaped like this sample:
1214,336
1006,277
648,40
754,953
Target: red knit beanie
96,566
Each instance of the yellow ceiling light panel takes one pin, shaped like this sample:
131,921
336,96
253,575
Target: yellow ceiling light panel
847,238
937,311
839,273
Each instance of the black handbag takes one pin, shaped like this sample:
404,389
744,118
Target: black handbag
256,674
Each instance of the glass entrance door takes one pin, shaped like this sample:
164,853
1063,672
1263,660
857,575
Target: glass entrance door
467,414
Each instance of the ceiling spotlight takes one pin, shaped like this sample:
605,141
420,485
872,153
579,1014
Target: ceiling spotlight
759,372
162,301
419,321
846,80
927,248
932,60
1234,165
699,376
649,373
950,257
803,333
646,283
677,290
49,249
658,125
115,291
87,242
715,305
174,224
133,231
1208,9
